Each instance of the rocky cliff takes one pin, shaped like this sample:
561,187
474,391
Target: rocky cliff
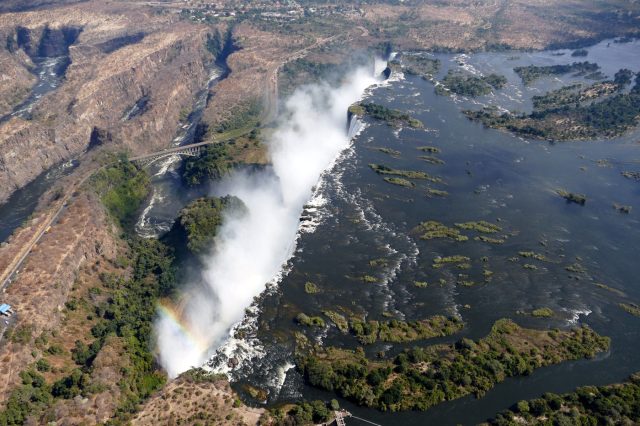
116,60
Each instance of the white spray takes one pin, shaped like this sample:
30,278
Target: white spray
250,250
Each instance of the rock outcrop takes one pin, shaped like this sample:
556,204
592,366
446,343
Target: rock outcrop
116,60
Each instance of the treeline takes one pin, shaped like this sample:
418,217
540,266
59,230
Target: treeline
470,85
531,73
123,308
617,404
392,117
420,378
608,117
126,313
198,222
213,163
122,187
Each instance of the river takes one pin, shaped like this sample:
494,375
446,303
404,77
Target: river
489,175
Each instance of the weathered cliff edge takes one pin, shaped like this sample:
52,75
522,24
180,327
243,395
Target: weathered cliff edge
116,61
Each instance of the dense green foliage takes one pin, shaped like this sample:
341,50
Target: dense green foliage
213,163
531,73
589,405
129,314
306,320
422,377
606,117
572,197
470,85
409,174
122,188
404,331
579,53
200,220
419,65
572,95
392,117
305,413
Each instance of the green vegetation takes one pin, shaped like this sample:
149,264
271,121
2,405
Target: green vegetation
579,53
213,163
303,71
378,262
305,413
542,312
622,208
572,197
631,308
420,378
601,110
623,77
470,85
611,289
489,240
127,315
369,279
589,405
122,187
431,229
242,117
531,73
532,255
392,117
339,320
431,192
631,175
200,375
420,65
439,262
389,151
369,332
431,149
409,174
572,95
479,226
311,288
431,159
399,182
308,321
199,221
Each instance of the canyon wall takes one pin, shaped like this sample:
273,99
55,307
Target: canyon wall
116,61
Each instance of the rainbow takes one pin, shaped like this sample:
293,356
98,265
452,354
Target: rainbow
180,327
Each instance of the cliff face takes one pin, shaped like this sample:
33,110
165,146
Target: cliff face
115,62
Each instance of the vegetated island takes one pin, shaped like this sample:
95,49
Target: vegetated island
420,378
604,109
213,163
469,85
588,405
531,73
392,117
369,332
198,222
408,174
417,64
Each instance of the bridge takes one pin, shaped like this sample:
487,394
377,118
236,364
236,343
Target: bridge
191,150
341,414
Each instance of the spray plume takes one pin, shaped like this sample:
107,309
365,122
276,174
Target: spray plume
251,249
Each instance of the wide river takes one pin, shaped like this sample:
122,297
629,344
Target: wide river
489,175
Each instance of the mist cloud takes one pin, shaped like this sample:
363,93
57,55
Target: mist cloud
250,250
